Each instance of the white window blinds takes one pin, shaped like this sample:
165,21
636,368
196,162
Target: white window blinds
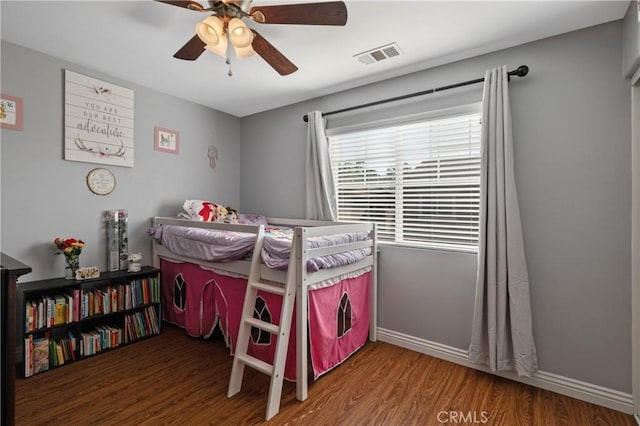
419,181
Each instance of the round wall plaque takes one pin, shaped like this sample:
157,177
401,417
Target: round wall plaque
101,181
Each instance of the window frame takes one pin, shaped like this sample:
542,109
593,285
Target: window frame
467,109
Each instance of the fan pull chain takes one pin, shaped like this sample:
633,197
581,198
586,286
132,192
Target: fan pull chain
228,61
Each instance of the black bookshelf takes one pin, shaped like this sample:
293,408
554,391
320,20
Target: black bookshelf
108,312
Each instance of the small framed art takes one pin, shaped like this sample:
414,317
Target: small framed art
167,140
101,181
11,112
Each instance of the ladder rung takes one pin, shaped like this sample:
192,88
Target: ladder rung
269,288
256,363
262,325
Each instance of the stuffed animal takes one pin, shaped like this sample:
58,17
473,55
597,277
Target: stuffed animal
207,211
192,210
232,215
221,213
134,262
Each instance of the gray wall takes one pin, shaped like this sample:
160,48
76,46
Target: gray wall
43,196
572,133
631,40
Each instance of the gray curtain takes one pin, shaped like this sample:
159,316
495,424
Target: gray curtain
502,335
321,194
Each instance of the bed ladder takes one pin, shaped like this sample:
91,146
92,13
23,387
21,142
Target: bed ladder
280,331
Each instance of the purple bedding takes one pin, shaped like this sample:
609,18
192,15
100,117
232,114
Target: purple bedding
277,247
219,246
204,244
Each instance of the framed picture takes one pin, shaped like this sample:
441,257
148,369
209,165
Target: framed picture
167,140
98,121
11,112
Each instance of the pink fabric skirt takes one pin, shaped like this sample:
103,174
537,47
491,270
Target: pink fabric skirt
198,299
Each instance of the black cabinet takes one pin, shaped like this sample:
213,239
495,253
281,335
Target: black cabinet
10,270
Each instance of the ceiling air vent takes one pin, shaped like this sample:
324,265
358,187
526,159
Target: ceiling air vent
379,54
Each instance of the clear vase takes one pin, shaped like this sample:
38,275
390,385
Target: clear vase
71,265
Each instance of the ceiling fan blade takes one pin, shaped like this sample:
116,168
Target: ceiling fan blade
272,55
329,13
192,5
191,50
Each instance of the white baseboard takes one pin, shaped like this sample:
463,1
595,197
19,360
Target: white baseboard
595,394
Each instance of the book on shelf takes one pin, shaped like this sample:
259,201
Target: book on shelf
48,311
60,310
92,303
74,344
113,296
49,304
53,354
127,296
141,324
69,310
84,300
97,306
154,320
110,336
66,348
120,297
98,302
30,316
40,322
97,341
28,357
76,304
40,354
101,338
59,353
58,350
142,291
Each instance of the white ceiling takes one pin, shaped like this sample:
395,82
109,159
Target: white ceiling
135,40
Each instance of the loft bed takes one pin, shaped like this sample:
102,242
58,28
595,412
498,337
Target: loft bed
335,267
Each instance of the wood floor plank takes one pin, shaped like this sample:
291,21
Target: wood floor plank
174,379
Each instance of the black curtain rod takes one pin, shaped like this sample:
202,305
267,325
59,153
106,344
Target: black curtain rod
520,72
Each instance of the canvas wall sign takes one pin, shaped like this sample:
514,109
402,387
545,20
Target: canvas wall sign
98,120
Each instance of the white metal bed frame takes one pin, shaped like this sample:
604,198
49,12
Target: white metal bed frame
303,229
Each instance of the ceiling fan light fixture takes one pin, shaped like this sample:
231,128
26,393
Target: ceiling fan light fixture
239,34
210,30
244,52
226,28
219,49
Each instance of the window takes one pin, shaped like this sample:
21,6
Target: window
418,178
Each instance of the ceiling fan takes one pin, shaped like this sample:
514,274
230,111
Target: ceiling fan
224,29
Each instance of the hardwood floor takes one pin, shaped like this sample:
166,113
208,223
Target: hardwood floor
175,379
